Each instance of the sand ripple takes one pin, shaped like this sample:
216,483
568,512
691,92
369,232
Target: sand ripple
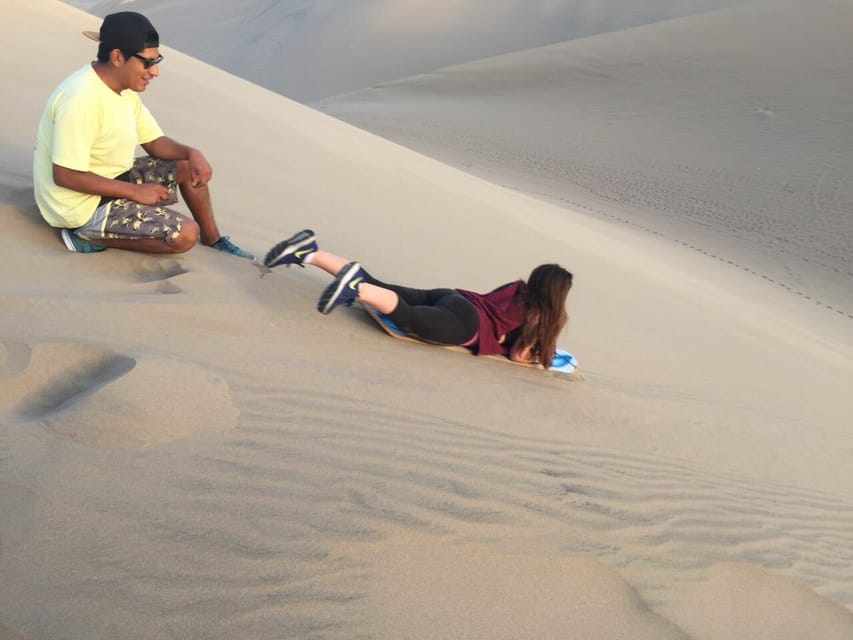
309,519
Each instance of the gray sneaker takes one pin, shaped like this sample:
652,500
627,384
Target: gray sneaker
78,244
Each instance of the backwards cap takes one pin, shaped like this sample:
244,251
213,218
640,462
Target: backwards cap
126,30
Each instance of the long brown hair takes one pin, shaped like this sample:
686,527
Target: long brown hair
545,302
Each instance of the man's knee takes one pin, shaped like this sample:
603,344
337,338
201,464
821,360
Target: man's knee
187,238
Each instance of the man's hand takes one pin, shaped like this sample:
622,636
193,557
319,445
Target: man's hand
150,194
200,169
168,149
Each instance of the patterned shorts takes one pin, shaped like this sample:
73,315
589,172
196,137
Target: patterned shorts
123,218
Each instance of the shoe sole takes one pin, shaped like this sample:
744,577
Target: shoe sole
330,296
288,247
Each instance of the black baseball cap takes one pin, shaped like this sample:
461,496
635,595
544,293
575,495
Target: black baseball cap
126,30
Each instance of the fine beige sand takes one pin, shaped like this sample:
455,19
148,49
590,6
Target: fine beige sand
188,449
311,49
725,132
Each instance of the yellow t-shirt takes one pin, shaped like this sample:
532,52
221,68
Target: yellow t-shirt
86,126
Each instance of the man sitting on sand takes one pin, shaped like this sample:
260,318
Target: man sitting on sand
86,179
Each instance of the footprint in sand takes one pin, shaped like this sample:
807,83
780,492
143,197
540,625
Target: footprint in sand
160,272
90,393
154,270
763,114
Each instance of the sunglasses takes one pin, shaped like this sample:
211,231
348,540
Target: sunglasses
148,62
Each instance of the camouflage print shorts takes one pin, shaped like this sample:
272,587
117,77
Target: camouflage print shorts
123,218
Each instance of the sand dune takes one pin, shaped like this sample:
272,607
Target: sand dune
188,449
728,133
316,48
92,394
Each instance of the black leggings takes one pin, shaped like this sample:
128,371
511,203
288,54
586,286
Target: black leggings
443,316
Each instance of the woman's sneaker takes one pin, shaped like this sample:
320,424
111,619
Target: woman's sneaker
344,288
294,250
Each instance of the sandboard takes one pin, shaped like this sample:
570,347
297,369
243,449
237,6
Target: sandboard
562,362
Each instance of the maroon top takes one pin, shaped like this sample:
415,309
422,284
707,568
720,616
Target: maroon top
499,312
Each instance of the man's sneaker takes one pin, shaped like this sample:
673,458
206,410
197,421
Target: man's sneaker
344,288
224,244
78,244
294,250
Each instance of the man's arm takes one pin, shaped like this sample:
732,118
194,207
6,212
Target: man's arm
92,183
167,149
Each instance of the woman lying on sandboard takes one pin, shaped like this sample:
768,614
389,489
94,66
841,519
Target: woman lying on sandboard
519,319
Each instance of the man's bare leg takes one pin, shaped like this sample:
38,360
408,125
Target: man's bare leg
199,203
185,241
